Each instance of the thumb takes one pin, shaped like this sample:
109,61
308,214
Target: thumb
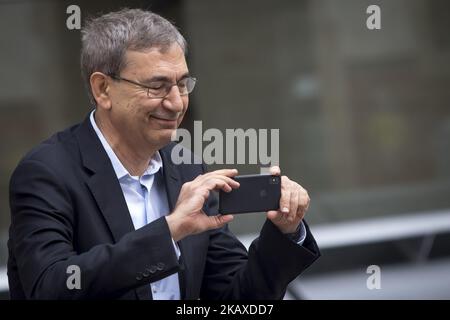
218,221
273,215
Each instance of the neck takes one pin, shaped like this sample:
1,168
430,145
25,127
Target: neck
133,158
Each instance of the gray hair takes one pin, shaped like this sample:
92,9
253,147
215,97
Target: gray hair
105,39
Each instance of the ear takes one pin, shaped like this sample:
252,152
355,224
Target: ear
100,89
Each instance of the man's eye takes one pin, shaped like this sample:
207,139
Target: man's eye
156,86
182,83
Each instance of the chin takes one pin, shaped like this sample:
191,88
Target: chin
162,138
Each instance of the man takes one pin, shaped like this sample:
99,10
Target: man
103,201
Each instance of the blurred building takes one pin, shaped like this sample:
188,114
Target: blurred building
364,115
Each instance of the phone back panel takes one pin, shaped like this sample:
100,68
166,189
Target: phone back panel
257,193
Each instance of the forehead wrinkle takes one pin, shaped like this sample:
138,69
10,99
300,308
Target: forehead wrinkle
165,64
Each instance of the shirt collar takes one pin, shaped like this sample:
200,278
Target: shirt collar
154,166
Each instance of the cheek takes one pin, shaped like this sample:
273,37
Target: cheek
185,107
180,119
142,109
133,118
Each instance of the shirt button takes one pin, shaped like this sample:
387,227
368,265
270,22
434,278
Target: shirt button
160,266
152,269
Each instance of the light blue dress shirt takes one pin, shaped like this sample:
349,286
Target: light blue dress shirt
146,199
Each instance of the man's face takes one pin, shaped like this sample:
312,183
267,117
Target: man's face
142,121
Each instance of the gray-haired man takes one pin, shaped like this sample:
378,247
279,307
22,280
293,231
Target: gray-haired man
105,197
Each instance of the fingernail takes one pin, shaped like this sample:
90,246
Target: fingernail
285,209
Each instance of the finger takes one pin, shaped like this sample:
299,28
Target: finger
217,184
275,170
231,182
304,204
294,204
308,201
218,221
204,180
219,181
274,215
285,197
224,172
205,222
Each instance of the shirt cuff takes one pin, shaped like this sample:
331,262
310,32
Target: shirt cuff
177,250
299,235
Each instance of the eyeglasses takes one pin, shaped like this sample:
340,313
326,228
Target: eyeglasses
160,89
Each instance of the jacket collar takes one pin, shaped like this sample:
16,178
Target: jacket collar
103,181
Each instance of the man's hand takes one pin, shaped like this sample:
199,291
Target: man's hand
188,217
294,202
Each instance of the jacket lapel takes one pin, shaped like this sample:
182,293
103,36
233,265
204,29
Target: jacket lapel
172,177
106,189
103,182
173,183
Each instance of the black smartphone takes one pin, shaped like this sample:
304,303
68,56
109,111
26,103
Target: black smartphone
256,193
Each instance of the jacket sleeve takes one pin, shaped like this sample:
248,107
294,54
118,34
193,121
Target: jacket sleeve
41,240
272,262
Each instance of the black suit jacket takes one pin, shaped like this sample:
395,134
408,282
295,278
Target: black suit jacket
67,208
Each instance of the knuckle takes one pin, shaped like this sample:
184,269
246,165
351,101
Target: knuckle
186,186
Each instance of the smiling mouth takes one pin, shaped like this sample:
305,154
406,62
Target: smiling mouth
164,119
165,123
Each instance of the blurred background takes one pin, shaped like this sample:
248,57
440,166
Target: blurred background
364,119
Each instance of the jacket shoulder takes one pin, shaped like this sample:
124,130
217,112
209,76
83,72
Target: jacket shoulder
57,150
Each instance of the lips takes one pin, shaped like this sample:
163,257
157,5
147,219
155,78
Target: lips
165,122
164,119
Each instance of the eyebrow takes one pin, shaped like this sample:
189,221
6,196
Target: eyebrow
164,78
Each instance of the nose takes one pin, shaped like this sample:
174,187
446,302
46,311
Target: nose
173,100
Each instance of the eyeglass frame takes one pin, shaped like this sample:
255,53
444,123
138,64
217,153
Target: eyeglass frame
168,88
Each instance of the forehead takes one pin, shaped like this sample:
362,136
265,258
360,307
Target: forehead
170,62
